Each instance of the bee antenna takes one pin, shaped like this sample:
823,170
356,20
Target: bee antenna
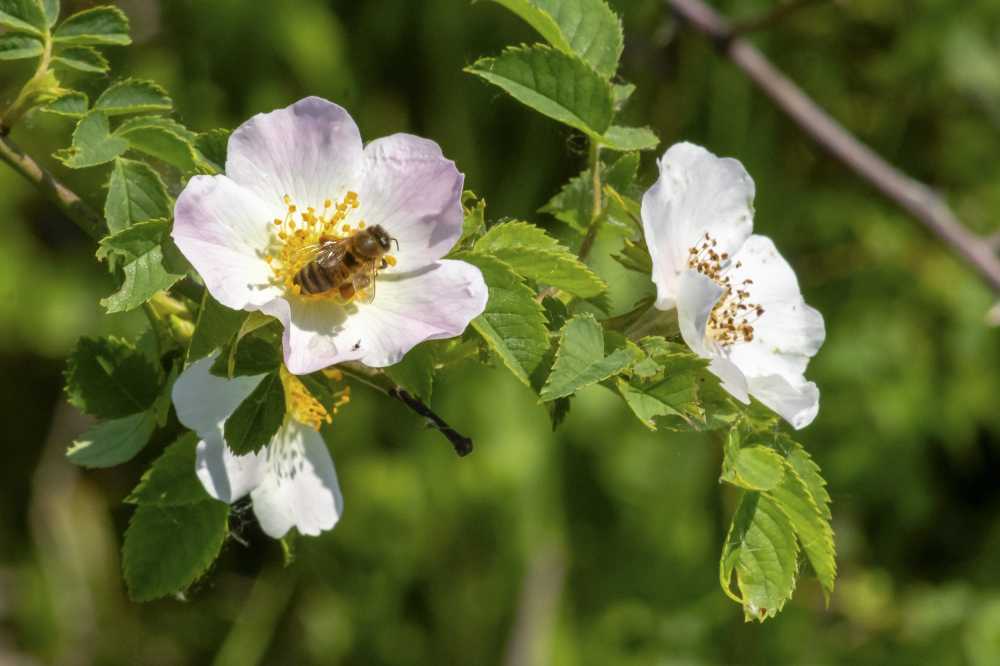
397,244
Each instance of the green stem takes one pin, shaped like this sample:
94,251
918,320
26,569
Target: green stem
22,103
595,218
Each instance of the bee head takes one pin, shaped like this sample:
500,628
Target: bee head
383,238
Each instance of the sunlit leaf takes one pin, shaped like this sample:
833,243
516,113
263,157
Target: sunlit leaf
136,193
580,360
82,58
113,442
100,25
93,143
133,96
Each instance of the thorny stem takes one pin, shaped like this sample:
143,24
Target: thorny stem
68,202
378,381
595,218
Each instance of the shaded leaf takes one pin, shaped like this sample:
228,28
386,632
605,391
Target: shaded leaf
133,96
255,422
113,442
171,480
109,378
415,372
16,47
93,143
168,548
83,59
72,105
162,138
216,326
629,138
100,25
23,16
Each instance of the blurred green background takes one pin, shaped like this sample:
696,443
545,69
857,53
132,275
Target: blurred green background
597,544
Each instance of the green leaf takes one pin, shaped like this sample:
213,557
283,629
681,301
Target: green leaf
762,551
72,105
93,143
554,84
109,378
537,256
415,372
163,138
806,469
474,221
580,361
136,193
255,422
82,58
671,391
812,528
513,324
171,481
16,47
167,548
622,92
213,146
253,355
100,25
133,96
754,468
635,257
113,442
150,258
51,9
574,204
629,138
216,326
587,28
23,16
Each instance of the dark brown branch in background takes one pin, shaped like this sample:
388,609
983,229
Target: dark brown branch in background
914,197
68,202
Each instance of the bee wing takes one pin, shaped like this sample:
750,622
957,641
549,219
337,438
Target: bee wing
330,252
364,279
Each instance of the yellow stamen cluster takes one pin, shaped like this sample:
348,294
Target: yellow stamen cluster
297,236
302,406
731,320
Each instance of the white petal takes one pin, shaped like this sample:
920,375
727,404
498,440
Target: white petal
733,379
318,333
299,486
203,401
696,297
697,193
223,230
789,332
433,304
415,193
224,475
796,402
310,151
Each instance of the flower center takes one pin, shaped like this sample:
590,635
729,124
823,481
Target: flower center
301,234
306,409
731,320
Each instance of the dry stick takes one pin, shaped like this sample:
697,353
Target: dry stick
911,195
73,206
380,382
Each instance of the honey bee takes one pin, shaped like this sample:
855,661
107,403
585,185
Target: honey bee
346,265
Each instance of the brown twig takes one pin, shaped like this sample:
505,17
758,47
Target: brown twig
73,206
772,17
914,197
380,382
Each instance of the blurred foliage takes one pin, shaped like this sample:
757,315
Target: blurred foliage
597,544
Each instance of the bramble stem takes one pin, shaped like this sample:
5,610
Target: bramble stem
595,218
85,217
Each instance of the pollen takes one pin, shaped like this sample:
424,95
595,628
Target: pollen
734,315
303,407
391,260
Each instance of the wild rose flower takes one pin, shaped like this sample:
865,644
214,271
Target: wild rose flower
300,176
738,301
291,482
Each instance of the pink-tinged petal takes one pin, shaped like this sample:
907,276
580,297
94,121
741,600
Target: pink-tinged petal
299,487
697,193
433,304
796,401
318,333
415,193
224,475
310,151
789,332
223,230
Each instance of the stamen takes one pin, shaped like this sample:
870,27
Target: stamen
731,320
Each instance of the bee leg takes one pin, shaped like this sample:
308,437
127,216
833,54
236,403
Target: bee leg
384,265
347,291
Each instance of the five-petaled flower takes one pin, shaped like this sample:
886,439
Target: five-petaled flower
291,482
738,301
299,178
